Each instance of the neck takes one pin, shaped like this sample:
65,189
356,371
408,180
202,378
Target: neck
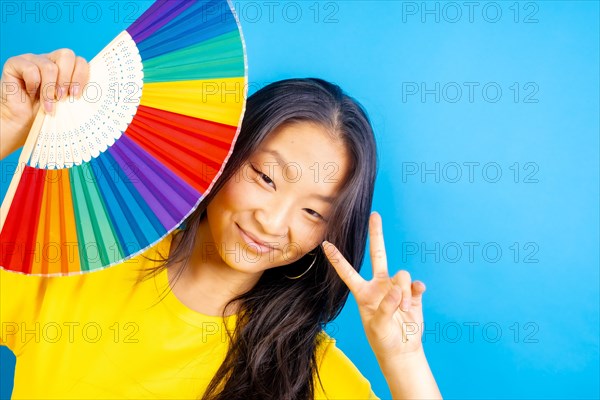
207,283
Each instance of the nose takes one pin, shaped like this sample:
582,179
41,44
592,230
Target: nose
274,219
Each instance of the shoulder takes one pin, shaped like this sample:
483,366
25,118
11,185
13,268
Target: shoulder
339,377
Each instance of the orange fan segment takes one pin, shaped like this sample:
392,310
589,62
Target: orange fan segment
57,229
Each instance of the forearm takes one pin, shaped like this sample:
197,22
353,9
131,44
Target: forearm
409,377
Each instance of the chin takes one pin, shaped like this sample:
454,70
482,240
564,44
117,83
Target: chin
244,258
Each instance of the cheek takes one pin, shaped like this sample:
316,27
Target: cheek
235,198
234,195
307,240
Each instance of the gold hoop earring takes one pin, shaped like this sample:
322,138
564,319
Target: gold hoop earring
296,277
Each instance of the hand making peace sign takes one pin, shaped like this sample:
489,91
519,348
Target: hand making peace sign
392,329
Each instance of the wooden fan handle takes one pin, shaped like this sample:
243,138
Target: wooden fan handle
23,160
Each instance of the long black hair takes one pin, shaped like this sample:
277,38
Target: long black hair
272,349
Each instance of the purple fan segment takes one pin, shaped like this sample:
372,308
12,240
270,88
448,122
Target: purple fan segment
157,16
169,197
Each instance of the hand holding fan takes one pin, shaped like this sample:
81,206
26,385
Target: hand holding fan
114,172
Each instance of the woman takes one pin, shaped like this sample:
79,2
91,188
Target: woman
233,304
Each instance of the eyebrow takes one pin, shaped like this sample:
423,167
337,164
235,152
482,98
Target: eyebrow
282,162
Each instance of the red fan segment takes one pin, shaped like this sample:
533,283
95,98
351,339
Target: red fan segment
192,148
18,236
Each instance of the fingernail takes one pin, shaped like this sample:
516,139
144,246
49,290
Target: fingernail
76,92
47,107
61,93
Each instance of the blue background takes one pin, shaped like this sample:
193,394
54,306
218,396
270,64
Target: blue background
519,317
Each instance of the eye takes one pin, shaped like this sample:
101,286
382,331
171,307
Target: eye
264,177
314,213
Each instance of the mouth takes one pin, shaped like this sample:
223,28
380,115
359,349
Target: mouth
254,243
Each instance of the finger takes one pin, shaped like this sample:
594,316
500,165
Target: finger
65,60
418,288
343,267
20,73
389,305
377,247
80,78
386,310
402,280
49,74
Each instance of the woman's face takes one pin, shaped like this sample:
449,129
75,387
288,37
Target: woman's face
279,197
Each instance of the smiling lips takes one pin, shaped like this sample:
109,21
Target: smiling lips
259,246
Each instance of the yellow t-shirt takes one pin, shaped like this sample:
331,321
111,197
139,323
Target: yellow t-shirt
99,336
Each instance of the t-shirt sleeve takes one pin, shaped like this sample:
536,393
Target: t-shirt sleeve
340,378
18,303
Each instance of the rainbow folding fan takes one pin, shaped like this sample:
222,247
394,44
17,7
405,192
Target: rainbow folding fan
114,172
